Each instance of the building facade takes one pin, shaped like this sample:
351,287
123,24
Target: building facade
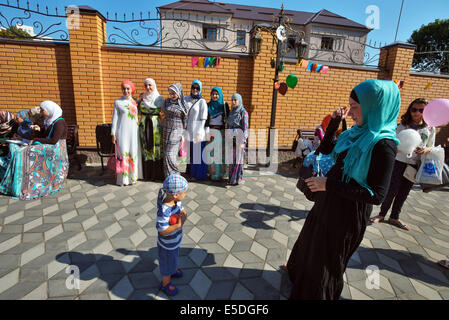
219,26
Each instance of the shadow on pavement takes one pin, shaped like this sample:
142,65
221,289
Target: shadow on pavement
134,275
257,214
411,265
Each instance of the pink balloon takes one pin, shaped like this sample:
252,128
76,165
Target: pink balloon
436,113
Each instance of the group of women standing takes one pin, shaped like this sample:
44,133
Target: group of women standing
150,147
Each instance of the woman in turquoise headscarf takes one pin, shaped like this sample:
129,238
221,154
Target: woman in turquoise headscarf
359,179
216,120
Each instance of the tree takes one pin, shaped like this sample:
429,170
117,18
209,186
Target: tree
14,33
432,42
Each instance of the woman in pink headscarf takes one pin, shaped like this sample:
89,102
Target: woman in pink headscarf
125,135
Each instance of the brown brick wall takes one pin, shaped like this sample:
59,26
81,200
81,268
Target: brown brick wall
32,72
85,76
233,75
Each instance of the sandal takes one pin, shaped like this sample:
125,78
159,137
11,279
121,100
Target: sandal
169,289
398,224
177,274
444,263
376,219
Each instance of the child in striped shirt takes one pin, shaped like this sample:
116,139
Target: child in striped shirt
170,230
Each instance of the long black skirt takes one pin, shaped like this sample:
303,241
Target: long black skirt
331,234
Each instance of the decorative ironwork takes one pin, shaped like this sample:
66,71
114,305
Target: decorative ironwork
41,32
434,61
355,53
172,34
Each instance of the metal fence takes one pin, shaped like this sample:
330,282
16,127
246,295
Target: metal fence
39,23
430,60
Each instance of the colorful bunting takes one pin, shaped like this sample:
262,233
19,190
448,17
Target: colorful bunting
325,69
195,61
428,85
204,62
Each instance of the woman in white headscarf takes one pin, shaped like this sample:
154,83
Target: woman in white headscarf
39,169
150,131
55,127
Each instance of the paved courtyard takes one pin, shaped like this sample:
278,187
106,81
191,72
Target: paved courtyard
235,240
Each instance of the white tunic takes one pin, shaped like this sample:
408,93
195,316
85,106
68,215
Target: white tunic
196,119
125,128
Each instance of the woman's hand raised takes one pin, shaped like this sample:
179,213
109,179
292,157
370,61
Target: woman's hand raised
340,112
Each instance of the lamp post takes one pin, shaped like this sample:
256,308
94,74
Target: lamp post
280,29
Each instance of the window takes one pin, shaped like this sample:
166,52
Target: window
209,32
241,37
327,43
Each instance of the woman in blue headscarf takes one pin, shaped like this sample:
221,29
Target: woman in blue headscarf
216,120
359,179
196,131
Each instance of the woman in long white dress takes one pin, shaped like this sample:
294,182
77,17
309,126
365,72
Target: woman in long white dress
125,134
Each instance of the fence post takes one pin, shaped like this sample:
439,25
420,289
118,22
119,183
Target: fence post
86,41
396,60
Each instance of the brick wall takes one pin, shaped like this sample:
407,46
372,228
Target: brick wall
32,72
84,77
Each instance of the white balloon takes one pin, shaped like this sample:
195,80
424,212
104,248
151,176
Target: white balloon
410,140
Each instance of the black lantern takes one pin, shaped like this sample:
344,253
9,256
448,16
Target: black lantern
300,48
256,43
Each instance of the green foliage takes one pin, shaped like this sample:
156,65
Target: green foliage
14,33
433,38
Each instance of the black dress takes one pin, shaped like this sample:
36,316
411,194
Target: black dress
336,224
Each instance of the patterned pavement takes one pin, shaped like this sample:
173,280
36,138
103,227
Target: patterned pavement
235,240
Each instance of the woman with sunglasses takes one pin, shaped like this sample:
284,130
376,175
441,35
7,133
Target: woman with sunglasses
196,131
399,185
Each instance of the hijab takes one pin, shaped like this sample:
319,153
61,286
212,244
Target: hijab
131,84
177,88
236,114
380,101
54,112
216,108
195,98
150,100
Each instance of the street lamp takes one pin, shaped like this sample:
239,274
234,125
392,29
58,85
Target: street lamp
280,30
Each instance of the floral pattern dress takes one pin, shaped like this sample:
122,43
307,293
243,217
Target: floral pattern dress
125,128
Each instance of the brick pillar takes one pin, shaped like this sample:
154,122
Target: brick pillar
395,61
86,40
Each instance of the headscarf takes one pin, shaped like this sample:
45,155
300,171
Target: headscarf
35,110
54,112
131,84
216,108
149,99
24,114
196,97
236,114
380,101
325,122
7,122
6,116
173,184
177,88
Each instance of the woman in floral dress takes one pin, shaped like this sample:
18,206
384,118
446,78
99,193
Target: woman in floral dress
125,134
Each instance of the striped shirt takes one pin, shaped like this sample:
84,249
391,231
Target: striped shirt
172,240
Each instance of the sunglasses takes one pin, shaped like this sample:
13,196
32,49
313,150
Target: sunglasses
195,88
412,109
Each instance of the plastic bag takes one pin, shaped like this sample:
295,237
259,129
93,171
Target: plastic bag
430,171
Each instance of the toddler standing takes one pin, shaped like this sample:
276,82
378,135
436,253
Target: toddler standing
170,230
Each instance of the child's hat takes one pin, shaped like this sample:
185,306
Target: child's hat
175,184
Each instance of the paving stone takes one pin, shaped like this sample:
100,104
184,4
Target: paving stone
221,290
241,293
261,289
